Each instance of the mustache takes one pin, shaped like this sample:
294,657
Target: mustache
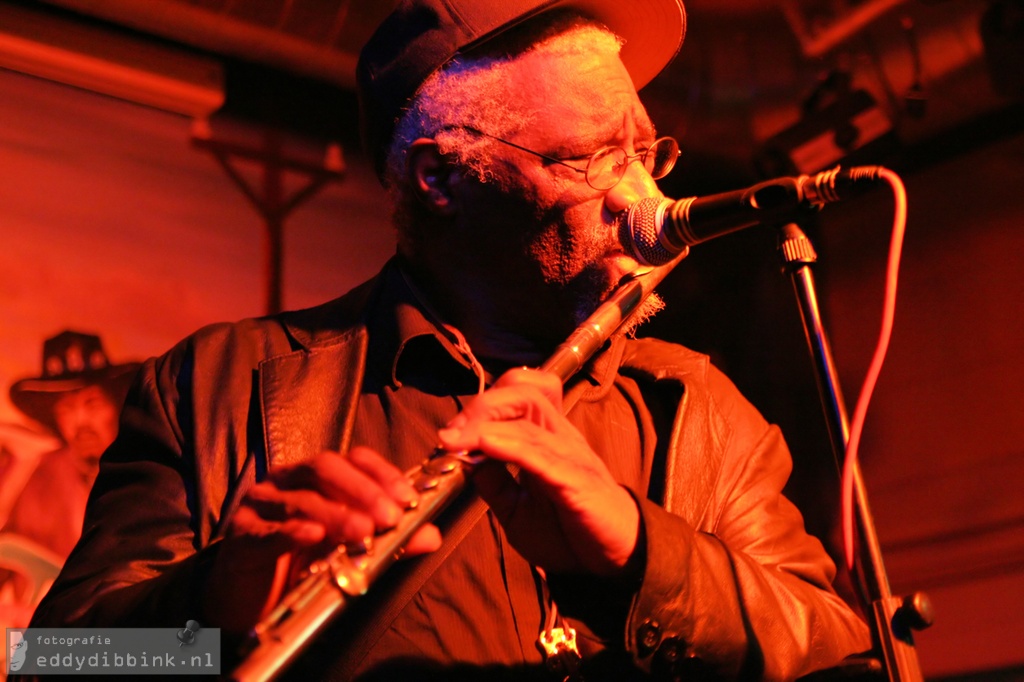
84,435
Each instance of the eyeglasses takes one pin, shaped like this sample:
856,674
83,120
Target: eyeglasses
607,165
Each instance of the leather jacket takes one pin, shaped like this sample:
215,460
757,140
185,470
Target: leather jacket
733,585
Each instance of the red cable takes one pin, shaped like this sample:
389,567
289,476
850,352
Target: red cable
888,313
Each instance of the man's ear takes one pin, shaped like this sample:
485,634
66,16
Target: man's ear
430,176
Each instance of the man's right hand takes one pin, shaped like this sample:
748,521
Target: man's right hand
296,515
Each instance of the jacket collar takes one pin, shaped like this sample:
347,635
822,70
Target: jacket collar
308,396
699,434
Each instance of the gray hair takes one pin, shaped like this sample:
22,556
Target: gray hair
472,91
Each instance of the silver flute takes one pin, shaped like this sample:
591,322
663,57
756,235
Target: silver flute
330,583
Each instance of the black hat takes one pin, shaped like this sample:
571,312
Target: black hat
71,360
420,36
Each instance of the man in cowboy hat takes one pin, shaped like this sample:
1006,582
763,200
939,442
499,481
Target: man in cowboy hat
78,396
643,531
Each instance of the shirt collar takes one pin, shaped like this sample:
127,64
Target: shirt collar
403,327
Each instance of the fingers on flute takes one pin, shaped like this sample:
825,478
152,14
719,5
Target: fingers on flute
426,539
393,481
304,516
541,449
497,487
522,403
273,538
545,383
350,497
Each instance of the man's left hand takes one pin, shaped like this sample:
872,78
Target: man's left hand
563,512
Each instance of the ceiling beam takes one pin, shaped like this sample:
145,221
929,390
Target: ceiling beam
110,63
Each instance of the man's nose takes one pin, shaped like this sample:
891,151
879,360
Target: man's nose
636,184
75,417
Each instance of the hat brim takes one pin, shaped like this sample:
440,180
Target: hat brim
653,31
36,397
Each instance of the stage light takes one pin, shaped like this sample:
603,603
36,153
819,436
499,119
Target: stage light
839,123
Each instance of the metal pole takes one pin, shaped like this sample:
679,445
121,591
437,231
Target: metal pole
893,617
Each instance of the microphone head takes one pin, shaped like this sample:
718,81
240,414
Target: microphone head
641,229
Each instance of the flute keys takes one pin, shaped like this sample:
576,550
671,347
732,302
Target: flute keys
443,464
438,465
425,482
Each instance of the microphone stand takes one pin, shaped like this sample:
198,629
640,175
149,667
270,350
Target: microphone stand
892,617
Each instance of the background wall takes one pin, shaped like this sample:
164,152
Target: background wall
945,438
112,223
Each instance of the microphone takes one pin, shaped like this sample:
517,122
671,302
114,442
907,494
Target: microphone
661,229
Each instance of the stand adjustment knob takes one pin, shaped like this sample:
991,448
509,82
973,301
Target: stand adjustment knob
916,612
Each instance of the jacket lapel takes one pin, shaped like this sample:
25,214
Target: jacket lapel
694,457
309,398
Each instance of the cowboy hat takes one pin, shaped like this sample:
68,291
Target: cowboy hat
71,361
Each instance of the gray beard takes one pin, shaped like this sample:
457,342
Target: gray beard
647,309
